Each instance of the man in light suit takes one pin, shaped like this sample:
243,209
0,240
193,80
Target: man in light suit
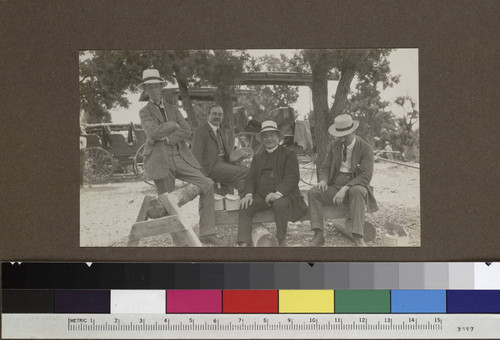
212,149
344,178
167,155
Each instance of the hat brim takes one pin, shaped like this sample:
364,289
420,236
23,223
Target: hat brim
259,137
141,85
335,133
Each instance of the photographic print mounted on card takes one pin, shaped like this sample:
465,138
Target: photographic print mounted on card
249,148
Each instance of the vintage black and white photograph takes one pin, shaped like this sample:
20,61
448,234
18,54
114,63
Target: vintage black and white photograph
249,148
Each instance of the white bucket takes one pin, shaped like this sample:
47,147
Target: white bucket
389,240
219,202
232,202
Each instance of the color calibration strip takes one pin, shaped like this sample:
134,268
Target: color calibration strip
249,301
240,300
261,275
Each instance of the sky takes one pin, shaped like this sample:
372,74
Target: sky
403,62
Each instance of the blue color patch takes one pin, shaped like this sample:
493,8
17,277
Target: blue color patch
473,301
418,301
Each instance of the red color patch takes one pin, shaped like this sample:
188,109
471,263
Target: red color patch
249,301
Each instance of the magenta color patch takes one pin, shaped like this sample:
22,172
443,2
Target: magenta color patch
194,301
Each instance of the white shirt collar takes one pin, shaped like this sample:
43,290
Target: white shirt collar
350,146
161,103
271,150
213,126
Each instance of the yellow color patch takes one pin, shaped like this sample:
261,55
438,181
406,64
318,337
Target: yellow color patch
306,301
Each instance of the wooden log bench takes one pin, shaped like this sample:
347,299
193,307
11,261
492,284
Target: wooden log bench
166,217
223,217
337,214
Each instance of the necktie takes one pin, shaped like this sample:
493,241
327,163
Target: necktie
162,110
220,142
344,153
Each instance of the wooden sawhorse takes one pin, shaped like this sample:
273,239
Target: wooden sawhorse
174,223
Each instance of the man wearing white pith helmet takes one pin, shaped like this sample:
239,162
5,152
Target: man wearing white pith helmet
344,178
167,155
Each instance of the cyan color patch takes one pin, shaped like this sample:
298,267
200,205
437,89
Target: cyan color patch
418,301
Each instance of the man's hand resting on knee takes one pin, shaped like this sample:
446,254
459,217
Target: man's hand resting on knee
246,201
339,197
322,185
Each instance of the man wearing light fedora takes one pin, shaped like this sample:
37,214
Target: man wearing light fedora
167,155
271,182
344,178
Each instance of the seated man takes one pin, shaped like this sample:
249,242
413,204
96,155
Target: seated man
271,182
212,149
167,155
344,177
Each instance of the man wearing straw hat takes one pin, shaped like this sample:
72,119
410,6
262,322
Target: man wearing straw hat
212,149
271,182
388,148
167,155
344,178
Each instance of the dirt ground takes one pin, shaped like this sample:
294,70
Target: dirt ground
107,212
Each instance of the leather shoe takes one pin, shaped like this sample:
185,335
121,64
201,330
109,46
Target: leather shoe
282,243
359,242
211,239
318,240
243,244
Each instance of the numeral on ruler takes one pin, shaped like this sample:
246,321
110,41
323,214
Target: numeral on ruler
221,326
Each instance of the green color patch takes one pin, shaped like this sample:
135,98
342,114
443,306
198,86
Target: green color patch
362,301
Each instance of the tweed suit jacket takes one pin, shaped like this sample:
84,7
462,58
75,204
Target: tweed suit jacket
205,147
361,165
155,151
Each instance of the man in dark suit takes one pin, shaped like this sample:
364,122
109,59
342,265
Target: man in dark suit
212,149
271,182
344,178
167,155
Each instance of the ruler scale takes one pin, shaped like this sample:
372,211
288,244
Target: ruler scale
250,300
224,326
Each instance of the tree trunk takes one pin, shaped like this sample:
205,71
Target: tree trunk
224,98
347,73
319,88
187,104
370,136
343,88
241,120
